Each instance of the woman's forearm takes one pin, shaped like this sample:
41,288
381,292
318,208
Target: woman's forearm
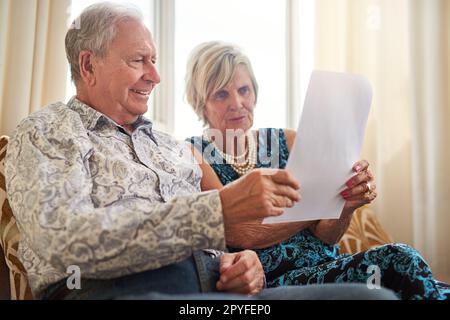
259,236
331,231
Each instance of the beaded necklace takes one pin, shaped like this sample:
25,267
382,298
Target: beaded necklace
241,167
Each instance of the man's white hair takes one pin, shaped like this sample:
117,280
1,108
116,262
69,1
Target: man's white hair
95,29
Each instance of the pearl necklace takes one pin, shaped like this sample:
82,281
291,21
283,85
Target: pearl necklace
241,167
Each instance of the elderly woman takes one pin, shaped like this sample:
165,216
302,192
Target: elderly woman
222,89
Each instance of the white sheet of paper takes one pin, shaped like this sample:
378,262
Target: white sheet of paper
328,144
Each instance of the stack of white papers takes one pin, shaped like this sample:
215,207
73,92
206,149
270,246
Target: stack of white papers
328,143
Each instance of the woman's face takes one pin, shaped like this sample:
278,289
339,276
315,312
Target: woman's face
232,107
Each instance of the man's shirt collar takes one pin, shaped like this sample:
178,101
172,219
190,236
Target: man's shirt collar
92,118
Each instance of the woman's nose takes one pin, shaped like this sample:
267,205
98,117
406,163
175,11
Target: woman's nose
237,102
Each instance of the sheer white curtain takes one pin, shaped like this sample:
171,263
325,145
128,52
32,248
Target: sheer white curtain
33,66
430,69
402,47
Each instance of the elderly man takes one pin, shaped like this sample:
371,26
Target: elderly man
95,189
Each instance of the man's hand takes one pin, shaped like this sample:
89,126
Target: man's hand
260,193
241,272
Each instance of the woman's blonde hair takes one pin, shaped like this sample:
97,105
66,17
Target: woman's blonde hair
211,66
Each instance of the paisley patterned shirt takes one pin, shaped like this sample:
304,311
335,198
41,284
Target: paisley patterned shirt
86,193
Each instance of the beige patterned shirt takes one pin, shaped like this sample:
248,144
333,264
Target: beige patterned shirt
86,193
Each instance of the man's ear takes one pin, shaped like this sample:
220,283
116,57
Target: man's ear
86,61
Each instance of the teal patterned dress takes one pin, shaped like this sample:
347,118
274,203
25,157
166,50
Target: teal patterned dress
304,259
